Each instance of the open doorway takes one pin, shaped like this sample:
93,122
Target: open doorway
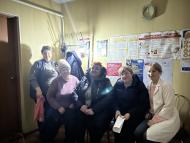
10,113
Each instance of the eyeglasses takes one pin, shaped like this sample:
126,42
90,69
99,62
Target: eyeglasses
63,70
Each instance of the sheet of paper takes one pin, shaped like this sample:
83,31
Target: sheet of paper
118,124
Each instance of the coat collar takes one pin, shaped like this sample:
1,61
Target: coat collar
157,86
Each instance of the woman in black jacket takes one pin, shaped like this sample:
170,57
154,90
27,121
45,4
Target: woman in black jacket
131,103
95,106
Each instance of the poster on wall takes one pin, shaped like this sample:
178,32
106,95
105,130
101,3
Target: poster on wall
132,47
137,66
167,70
185,65
146,50
171,43
159,45
112,71
101,48
117,50
82,49
185,52
84,45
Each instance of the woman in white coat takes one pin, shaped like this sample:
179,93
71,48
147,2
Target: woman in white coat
163,121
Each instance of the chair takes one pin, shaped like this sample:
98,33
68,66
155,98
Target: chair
183,106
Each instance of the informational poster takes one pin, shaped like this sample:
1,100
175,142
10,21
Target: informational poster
117,50
112,69
185,65
132,46
167,70
137,66
146,50
185,52
85,45
82,48
101,48
171,43
159,45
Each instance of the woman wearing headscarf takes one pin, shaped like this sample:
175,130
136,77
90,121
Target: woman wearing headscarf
62,99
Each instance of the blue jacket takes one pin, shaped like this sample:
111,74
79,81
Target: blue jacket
75,64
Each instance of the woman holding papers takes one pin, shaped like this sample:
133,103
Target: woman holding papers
131,104
164,121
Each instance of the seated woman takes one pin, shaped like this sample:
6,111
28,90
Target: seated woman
62,101
163,121
131,103
95,104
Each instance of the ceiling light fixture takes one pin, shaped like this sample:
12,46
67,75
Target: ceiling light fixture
62,1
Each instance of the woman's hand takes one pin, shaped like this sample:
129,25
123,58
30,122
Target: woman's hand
83,108
117,113
89,112
71,106
86,110
38,92
61,110
148,116
150,123
157,119
127,116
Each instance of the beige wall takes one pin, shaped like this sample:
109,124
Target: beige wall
36,28
105,18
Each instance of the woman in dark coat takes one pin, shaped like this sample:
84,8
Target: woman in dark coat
131,103
95,104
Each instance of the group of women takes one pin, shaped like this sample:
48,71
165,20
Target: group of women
91,103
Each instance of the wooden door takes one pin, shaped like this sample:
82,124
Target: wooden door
10,117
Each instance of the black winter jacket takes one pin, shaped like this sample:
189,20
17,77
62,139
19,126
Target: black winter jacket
101,94
133,99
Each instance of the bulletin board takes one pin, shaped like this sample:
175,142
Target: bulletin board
162,47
